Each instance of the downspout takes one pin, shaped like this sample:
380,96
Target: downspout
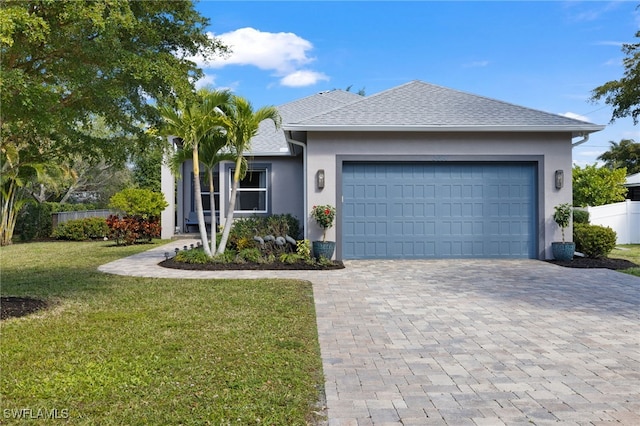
585,138
304,178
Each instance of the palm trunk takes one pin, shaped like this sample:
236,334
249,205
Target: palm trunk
9,214
231,207
202,227
212,203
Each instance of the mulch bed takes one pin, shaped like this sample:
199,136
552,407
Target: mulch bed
13,307
605,263
250,266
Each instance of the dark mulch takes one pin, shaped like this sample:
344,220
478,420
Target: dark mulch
250,266
13,307
605,263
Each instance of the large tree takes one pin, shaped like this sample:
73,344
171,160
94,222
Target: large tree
194,122
596,186
624,94
67,63
626,154
242,124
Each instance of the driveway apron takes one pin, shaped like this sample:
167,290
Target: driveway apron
471,342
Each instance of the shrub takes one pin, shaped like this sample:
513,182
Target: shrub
244,229
303,249
35,220
137,202
580,216
131,230
251,255
594,240
82,229
196,255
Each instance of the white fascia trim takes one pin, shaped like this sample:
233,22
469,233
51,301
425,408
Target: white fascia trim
444,128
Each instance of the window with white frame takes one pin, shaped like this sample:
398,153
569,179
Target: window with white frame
253,191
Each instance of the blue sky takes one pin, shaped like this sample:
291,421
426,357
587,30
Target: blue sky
547,55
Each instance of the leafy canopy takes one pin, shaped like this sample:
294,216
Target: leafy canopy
66,62
626,154
596,186
624,94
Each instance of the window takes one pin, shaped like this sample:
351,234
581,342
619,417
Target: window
204,189
252,196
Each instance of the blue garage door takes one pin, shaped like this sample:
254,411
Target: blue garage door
439,210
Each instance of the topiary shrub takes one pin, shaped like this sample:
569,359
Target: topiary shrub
594,240
580,216
89,228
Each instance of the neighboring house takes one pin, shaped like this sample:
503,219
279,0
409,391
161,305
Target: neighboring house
633,184
416,171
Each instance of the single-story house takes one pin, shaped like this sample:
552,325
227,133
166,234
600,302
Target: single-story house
633,185
416,171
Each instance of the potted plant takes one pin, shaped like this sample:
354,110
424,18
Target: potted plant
324,217
563,250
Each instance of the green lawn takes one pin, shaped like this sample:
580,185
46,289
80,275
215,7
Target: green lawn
630,252
124,350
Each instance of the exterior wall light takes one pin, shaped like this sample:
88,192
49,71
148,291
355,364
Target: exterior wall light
320,179
559,179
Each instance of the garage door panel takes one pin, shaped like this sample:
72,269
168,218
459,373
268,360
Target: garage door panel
438,210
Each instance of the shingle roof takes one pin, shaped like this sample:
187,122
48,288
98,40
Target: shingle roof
269,141
426,107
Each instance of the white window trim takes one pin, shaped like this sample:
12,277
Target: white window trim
266,168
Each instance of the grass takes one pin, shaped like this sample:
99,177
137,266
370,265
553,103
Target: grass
630,252
125,350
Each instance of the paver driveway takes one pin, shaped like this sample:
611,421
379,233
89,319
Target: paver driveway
478,342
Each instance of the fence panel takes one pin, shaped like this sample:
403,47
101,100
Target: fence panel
62,217
624,218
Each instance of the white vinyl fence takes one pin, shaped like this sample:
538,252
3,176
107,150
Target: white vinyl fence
624,218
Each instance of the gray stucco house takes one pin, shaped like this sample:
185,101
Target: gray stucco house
416,171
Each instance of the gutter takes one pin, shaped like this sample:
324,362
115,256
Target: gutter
585,138
576,130
304,178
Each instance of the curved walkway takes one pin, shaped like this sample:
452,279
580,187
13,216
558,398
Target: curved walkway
477,342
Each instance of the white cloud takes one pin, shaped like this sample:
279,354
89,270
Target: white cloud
302,78
285,54
476,64
208,80
610,43
575,116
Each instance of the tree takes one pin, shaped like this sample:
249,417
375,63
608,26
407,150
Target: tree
211,152
146,168
65,64
626,154
241,124
624,94
16,174
596,186
194,122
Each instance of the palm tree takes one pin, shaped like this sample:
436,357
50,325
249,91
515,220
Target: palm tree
211,153
241,124
626,153
19,176
193,122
